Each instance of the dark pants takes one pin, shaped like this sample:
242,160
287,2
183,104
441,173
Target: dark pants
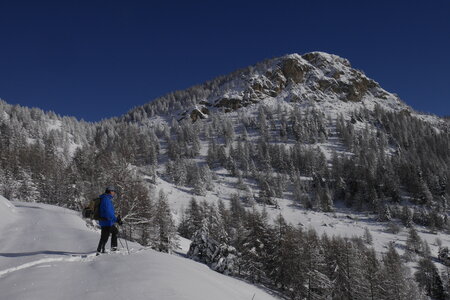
106,231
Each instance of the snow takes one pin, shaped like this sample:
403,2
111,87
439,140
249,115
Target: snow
46,252
73,147
346,222
7,211
54,125
184,245
4,116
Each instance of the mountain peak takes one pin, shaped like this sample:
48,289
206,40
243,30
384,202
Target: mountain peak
312,79
315,76
317,57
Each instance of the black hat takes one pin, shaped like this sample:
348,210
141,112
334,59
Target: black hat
110,189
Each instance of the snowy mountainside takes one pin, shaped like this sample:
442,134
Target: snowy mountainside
317,79
33,126
343,222
46,252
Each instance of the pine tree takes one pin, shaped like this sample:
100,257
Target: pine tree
207,177
196,181
212,155
194,217
346,264
367,236
318,285
326,202
407,216
444,256
384,213
371,270
445,276
220,257
165,239
216,224
276,268
428,278
255,246
396,282
265,193
413,243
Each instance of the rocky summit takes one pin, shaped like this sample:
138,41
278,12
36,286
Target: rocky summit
315,76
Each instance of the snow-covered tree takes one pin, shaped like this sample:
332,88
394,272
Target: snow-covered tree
220,257
165,238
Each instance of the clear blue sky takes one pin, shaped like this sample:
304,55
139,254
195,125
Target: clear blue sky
97,59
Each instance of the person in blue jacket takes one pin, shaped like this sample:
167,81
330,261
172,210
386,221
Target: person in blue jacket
107,220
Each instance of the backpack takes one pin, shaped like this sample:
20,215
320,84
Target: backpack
92,211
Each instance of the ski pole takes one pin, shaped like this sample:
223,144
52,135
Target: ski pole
128,249
120,240
126,243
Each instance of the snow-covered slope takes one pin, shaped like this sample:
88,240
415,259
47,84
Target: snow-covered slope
46,252
7,212
343,221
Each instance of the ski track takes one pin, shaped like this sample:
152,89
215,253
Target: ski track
31,264
67,258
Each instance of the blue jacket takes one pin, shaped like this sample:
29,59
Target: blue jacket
107,211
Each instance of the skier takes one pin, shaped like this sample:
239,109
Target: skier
107,221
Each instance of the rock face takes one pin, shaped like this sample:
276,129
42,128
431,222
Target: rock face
196,113
199,113
339,77
230,103
314,76
292,69
352,91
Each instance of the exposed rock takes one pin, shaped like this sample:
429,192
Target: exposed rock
277,81
231,103
206,103
294,70
359,87
321,59
353,91
270,84
295,98
274,81
337,74
259,85
199,113
326,84
406,112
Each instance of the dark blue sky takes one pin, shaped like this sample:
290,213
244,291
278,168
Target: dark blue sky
97,59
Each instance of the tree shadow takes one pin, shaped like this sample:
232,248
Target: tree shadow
48,252
28,206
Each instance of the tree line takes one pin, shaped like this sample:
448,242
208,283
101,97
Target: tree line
301,264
